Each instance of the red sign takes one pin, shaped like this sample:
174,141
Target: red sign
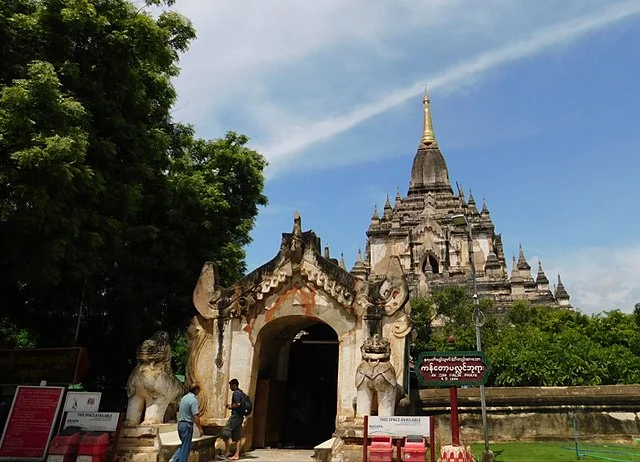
453,369
30,424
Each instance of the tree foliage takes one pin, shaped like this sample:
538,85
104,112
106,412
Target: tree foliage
533,345
107,205
448,311
544,346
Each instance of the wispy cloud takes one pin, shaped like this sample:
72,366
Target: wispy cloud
293,76
599,278
293,139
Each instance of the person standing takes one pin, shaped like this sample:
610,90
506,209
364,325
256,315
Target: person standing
231,430
188,415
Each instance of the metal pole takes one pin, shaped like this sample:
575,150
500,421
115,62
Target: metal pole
478,320
75,338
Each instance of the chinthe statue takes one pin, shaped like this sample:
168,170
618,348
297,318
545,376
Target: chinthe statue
152,386
376,375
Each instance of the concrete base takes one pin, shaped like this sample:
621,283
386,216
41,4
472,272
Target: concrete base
347,453
324,451
157,443
450,453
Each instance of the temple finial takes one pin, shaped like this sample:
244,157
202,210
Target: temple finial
428,137
297,224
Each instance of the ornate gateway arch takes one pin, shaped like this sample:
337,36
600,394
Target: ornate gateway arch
246,331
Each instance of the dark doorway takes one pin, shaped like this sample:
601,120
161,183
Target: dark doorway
431,265
312,382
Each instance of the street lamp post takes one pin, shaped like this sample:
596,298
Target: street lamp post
478,320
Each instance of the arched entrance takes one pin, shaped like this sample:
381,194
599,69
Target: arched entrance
296,392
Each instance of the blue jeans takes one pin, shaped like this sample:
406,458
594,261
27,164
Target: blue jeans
185,433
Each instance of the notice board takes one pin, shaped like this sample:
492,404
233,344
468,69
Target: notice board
30,424
30,366
399,426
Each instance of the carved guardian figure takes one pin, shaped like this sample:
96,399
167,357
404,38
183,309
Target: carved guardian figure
376,374
152,386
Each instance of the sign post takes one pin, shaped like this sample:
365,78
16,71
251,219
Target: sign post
455,421
453,369
365,439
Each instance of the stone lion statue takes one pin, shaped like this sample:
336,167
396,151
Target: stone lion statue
376,375
376,378
152,387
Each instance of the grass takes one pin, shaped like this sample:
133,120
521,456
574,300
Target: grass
559,452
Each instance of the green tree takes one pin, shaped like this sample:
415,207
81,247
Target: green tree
636,314
107,206
449,311
422,313
535,345
547,346
14,337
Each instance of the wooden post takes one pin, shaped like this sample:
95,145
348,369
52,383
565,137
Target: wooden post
432,437
365,439
455,428
116,437
398,444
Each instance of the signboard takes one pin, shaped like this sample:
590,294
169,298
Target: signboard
82,401
399,427
93,421
30,424
452,369
58,366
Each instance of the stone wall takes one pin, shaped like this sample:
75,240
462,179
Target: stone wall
603,413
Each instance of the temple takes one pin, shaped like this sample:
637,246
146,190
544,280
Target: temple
441,238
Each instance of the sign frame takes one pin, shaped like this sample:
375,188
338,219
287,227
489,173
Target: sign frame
452,383
398,426
30,366
51,422
93,421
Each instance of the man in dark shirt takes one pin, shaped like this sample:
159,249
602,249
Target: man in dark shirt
231,431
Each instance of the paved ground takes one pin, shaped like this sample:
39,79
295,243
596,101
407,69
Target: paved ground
278,455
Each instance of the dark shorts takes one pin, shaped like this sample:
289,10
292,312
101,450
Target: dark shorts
232,428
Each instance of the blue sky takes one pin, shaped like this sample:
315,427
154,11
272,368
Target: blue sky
535,105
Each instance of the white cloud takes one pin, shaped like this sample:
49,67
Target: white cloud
599,278
293,73
241,42
294,139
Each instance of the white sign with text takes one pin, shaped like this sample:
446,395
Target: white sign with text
399,426
93,421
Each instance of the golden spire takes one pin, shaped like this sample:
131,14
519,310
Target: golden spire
428,138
